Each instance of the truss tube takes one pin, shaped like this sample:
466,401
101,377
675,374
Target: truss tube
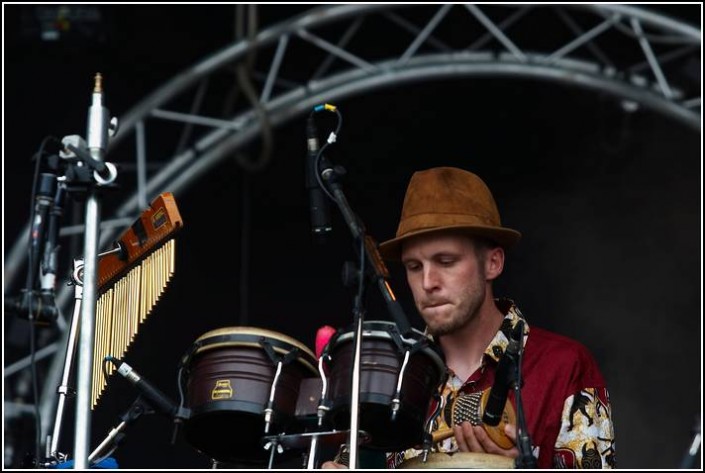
651,18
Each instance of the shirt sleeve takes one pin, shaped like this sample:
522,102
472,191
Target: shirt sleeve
586,437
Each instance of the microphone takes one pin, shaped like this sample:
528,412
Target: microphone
504,378
154,396
42,205
49,261
318,201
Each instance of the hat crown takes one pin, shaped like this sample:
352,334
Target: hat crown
447,196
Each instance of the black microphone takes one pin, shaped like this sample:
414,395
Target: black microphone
504,378
318,201
42,205
154,396
49,260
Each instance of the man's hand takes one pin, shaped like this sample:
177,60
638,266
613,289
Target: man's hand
475,439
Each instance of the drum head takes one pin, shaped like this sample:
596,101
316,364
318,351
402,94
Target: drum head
250,336
459,460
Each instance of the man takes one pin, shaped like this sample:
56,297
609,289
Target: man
452,245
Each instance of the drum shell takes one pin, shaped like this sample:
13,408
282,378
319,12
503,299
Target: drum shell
380,365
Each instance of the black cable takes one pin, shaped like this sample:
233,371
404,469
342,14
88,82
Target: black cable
35,389
32,348
180,377
331,139
361,275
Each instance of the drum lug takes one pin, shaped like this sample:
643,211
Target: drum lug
396,401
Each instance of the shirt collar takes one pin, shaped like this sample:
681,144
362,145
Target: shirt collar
512,316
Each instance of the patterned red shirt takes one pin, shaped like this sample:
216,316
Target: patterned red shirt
566,405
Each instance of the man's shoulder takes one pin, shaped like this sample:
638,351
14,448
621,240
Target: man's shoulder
562,357
551,344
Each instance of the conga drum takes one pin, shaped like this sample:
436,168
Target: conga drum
399,376
242,381
459,460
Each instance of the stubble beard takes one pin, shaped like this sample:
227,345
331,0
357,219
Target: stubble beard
465,313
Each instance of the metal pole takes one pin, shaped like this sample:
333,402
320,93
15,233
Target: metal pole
86,335
97,137
64,391
355,401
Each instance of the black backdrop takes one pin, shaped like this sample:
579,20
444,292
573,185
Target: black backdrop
608,202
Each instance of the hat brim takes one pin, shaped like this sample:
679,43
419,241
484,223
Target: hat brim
505,237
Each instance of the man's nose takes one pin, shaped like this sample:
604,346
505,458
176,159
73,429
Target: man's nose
430,278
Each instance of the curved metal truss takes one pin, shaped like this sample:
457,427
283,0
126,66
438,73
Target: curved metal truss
328,53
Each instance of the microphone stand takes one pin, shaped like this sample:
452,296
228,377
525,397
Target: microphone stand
139,407
368,253
100,127
525,460
65,390
380,273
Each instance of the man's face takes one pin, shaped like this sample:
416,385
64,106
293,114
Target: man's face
447,279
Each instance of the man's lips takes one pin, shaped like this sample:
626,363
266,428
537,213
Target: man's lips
431,305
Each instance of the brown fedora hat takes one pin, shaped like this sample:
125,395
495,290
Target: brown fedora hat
446,198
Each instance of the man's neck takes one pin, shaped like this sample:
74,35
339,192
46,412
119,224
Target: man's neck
465,348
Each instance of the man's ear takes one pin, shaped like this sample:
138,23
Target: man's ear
494,263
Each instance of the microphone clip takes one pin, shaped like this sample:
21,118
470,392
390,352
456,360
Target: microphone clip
85,170
39,307
139,407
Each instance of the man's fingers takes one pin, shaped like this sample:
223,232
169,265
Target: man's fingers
511,432
460,438
484,441
465,438
490,447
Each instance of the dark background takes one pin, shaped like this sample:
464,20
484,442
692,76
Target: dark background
609,204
